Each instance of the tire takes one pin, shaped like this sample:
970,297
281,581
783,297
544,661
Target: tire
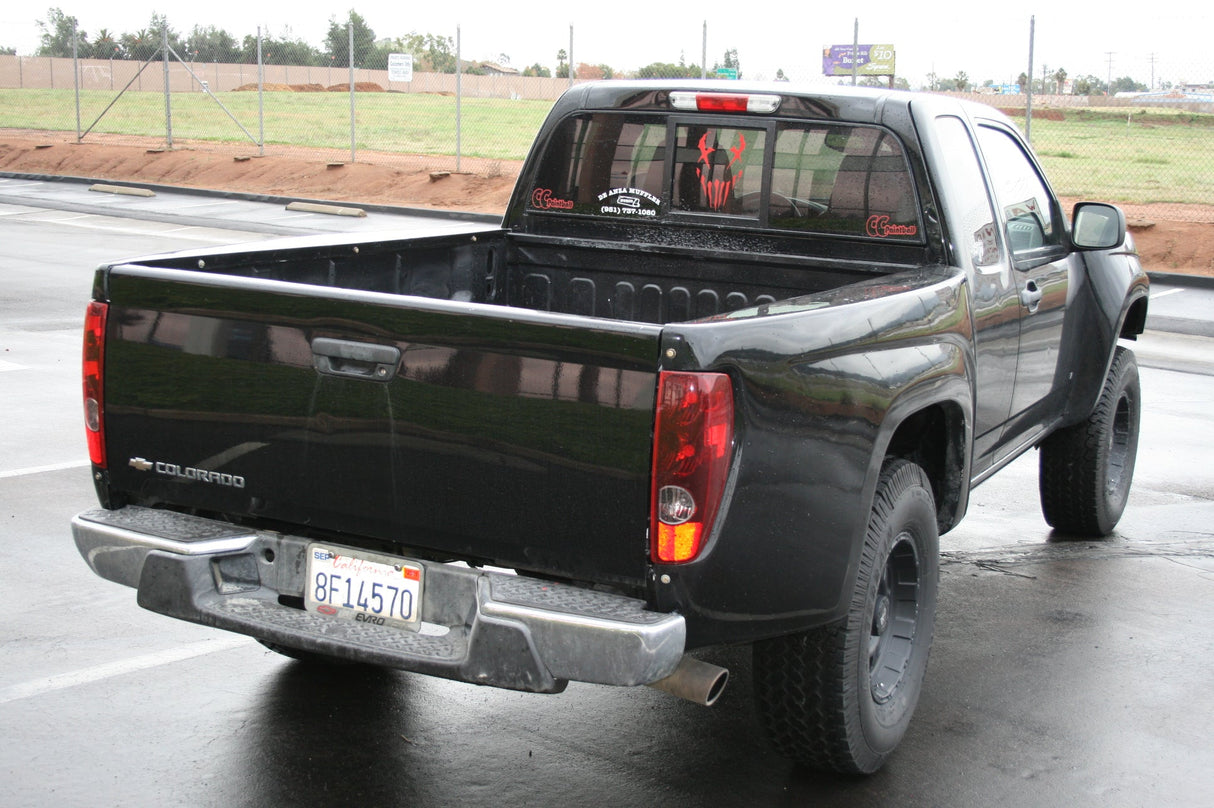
840,697
1086,469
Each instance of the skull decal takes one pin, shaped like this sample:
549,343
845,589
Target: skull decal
718,190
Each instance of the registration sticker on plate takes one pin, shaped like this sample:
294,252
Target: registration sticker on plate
366,587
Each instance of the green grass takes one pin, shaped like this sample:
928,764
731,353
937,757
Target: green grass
393,122
1129,155
1119,155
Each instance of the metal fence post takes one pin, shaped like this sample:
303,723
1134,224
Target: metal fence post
261,105
1028,103
168,105
76,75
350,29
459,94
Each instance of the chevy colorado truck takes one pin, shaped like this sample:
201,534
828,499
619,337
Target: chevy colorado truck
731,363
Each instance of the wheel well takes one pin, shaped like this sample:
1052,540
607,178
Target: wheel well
933,439
1135,319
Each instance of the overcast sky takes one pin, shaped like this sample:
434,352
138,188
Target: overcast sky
986,40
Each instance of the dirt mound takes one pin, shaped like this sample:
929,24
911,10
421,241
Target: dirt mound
1039,114
359,87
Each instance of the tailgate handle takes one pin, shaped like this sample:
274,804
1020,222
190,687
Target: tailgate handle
355,360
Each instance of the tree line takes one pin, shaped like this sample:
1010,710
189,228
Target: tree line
431,53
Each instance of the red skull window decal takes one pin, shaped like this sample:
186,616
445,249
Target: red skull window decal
718,190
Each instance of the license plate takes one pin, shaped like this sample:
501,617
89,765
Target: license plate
366,587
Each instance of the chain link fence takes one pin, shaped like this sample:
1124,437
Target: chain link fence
1148,148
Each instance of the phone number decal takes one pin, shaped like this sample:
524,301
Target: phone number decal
628,202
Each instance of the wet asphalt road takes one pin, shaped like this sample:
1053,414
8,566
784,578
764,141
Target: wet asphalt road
1063,674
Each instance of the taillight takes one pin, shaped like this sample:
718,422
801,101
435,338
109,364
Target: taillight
725,102
693,439
94,393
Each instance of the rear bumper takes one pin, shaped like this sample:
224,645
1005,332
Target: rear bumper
483,627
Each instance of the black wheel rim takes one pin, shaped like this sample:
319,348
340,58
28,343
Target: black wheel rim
1119,446
895,614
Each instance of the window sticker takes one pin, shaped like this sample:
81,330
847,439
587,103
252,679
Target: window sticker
629,202
718,191
879,226
543,199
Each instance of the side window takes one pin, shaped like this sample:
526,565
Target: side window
972,220
1021,193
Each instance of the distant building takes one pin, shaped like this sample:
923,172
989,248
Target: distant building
494,69
1192,94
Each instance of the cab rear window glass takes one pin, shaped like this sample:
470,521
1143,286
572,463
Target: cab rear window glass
812,177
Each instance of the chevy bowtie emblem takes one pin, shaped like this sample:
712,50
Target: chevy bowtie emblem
187,473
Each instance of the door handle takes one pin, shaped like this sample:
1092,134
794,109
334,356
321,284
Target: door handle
355,360
1031,296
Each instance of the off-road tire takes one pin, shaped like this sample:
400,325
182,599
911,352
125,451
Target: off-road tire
840,697
1086,469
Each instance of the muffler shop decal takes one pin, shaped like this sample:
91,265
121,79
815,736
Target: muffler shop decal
628,202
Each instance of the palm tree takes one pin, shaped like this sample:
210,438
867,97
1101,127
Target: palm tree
1060,78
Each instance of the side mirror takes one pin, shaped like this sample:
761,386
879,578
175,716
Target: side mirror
1097,226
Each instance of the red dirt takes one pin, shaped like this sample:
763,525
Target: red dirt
1170,238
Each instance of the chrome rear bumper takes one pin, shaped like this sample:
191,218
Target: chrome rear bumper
483,627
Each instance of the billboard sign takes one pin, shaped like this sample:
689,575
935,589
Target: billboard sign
873,60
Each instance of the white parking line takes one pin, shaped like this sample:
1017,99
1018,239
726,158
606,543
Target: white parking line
1165,293
71,464
64,681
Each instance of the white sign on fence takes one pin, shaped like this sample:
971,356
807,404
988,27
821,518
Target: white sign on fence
400,67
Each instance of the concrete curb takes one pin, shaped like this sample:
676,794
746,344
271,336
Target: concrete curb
1181,279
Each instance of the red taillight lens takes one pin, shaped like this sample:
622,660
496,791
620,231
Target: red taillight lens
93,367
721,103
693,438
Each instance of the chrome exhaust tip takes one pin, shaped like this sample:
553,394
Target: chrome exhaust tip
695,680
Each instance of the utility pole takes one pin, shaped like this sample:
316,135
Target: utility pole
855,51
1109,87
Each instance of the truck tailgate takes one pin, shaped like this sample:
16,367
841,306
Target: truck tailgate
512,437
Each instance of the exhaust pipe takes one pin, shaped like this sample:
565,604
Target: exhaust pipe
695,680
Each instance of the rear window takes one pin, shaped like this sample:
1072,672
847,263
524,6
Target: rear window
811,177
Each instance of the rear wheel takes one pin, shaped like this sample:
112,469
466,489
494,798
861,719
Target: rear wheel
840,697
1086,469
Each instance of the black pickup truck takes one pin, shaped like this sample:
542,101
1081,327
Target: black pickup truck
731,363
